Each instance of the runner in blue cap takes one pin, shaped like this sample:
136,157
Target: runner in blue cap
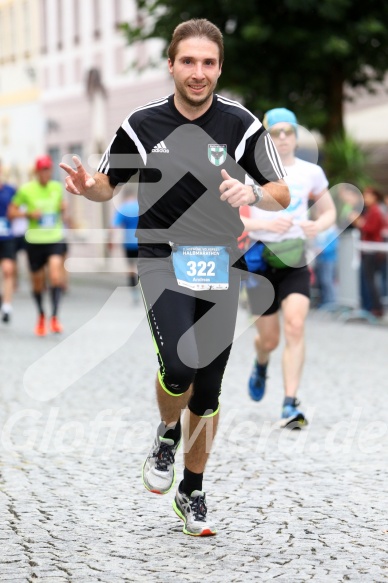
281,237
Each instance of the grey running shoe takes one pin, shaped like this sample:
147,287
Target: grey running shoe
192,510
158,469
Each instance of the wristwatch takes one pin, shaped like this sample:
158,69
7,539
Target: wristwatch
258,194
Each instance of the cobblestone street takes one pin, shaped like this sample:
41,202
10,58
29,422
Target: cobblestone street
78,416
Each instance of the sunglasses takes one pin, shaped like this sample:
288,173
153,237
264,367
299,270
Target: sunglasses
285,131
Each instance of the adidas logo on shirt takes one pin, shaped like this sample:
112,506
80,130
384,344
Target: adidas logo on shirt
161,147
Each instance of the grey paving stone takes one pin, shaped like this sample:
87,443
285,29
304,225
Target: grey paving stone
289,507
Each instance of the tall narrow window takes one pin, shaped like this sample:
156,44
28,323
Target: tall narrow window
96,19
60,24
76,21
117,13
1,37
43,21
27,28
12,28
55,154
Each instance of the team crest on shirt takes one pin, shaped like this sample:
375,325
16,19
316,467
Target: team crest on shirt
217,153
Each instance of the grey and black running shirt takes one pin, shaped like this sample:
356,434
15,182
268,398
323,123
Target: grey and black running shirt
180,162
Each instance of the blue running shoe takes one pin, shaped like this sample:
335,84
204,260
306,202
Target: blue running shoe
257,381
292,417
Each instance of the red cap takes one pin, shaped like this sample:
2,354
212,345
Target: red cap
43,163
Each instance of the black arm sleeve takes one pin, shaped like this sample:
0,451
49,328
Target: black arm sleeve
261,159
114,162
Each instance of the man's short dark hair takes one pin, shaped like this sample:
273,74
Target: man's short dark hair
199,28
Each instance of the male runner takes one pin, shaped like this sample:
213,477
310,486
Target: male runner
286,232
41,202
7,250
189,147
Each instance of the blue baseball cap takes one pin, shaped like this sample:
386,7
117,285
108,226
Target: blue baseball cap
280,114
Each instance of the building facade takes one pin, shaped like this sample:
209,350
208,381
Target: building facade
21,118
90,81
67,80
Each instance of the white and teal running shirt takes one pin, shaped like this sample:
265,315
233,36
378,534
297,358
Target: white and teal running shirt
303,179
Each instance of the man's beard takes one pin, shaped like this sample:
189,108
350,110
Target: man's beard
195,102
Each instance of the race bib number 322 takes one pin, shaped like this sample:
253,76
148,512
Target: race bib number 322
201,268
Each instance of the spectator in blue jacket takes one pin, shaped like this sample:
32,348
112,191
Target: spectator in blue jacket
326,244
126,217
7,250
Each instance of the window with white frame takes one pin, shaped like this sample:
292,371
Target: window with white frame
76,21
60,24
96,19
26,27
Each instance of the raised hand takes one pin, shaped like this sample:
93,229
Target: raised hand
78,181
235,192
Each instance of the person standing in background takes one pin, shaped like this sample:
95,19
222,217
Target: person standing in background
371,225
126,217
7,250
384,264
325,264
41,202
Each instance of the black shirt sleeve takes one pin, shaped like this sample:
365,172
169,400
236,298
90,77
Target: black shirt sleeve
261,159
116,163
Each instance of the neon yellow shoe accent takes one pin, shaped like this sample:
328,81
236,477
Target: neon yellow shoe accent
207,531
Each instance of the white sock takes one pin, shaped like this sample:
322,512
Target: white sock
6,308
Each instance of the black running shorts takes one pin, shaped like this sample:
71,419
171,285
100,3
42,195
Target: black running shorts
20,243
7,249
131,253
39,253
290,280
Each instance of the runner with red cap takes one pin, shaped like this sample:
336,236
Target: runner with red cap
43,163
41,202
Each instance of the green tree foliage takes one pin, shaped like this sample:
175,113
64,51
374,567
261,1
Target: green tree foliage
345,161
293,53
